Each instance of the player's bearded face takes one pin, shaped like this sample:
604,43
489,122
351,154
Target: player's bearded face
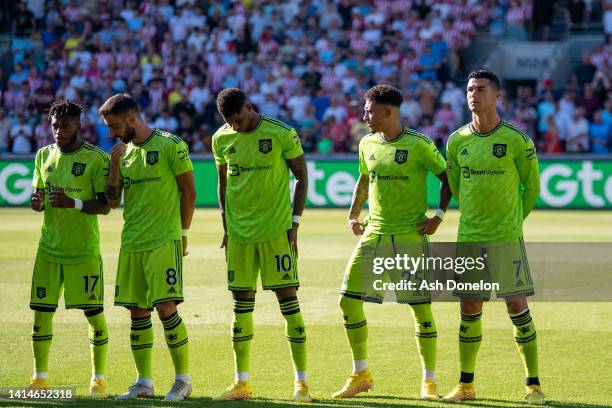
128,134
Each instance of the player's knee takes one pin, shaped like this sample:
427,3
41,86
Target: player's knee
165,309
138,313
516,305
285,293
93,312
471,307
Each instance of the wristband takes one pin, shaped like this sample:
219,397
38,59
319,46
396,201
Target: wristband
440,213
78,204
185,231
295,219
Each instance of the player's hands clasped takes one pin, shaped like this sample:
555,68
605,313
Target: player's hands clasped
357,227
37,200
117,152
428,226
59,199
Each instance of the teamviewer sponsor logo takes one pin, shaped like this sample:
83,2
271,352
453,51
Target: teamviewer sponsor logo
236,169
469,172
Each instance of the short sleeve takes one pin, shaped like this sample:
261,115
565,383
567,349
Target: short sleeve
217,153
100,175
292,146
431,158
181,162
37,180
363,168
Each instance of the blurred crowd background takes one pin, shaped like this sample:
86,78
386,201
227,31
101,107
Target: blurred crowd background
306,63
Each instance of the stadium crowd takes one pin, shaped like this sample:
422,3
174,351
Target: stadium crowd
306,63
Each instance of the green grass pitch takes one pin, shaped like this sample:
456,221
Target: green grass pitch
575,339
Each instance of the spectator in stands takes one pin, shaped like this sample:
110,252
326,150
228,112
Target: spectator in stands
5,131
310,60
578,133
588,100
21,136
23,21
42,133
584,72
166,122
575,14
552,139
601,134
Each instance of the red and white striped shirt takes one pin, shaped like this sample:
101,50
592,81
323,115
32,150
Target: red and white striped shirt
248,85
358,44
329,80
268,47
216,73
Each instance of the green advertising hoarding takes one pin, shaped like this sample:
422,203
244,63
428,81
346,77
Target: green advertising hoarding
578,184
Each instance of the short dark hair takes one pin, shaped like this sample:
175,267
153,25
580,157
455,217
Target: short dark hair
230,101
385,94
483,73
63,108
119,104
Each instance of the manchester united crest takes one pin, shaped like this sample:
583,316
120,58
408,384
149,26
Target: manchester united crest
152,158
499,150
401,156
265,145
78,169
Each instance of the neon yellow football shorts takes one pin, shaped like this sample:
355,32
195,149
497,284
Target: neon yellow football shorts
505,264
147,278
275,259
360,281
82,284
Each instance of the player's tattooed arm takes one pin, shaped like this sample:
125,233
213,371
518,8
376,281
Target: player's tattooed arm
429,226
360,196
96,206
114,185
37,200
221,186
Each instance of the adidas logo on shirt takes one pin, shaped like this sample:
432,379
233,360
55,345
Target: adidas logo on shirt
231,150
372,157
464,152
171,290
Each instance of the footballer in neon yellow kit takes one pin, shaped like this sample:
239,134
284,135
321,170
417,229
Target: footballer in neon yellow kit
69,180
153,170
254,154
393,166
493,174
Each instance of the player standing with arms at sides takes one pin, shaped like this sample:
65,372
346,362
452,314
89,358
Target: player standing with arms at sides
254,154
69,181
153,169
493,173
393,165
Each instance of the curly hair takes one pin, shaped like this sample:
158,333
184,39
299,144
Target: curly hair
65,109
385,94
230,101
